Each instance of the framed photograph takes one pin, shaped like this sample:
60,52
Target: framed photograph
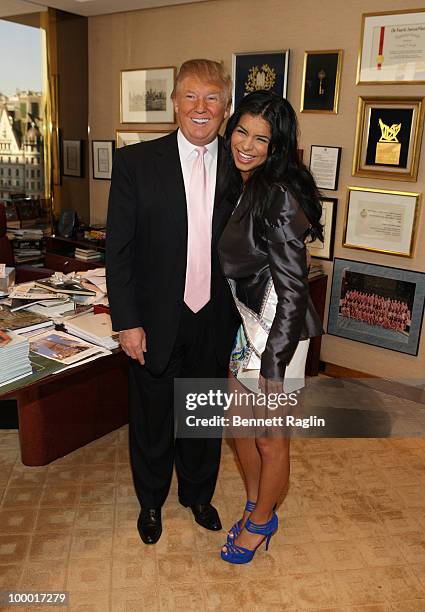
72,158
377,305
388,138
324,166
129,137
259,70
146,95
321,79
325,250
102,154
381,221
392,47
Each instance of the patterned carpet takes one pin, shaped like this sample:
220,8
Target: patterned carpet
352,536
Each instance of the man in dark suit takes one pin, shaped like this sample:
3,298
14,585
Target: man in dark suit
169,300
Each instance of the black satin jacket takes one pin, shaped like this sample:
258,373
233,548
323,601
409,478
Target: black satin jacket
251,252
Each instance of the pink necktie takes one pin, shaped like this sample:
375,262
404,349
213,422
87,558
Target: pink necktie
198,269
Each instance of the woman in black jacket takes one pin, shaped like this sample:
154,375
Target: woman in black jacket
263,255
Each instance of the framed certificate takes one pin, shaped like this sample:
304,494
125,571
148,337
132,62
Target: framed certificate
324,166
377,305
255,70
388,138
325,249
321,79
72,158
381,221
102,156
392,47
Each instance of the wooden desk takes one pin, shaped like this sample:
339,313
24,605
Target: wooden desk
64,411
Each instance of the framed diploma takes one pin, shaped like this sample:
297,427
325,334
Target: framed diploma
102,156
382,221
324,166
324,250
377,305
392,47
255,70
388,138
321,78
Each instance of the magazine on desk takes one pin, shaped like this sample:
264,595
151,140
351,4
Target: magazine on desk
64,348
69,286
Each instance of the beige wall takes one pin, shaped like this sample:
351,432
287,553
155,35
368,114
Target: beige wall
216,29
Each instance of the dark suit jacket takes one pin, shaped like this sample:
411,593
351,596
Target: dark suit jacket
254,254
146,249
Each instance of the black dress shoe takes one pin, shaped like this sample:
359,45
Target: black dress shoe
149,525
206,516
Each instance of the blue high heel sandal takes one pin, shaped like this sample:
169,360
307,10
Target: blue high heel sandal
236,529
238,554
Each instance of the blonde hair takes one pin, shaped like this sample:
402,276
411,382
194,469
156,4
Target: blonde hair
206,70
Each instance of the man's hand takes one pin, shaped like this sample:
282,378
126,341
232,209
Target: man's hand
133,343
268,386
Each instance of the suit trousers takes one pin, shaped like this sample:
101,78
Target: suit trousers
153,450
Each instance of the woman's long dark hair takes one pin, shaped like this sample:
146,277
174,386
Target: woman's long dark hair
283,165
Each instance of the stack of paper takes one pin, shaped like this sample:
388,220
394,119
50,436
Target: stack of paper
14,357
93,328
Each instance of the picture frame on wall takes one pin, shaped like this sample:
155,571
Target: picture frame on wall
130,137
377,305
392,48
388,137
253,70
72,158
145,95
325,249
102,158
321,81
381,221
324,166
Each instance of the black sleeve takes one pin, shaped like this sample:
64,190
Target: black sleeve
120,244
288,266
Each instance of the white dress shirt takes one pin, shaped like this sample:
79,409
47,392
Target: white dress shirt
187,156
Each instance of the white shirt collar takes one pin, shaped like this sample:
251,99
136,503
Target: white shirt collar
187,148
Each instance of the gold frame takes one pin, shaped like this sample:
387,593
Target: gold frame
359,59
412,244
334,111
159,132
411,173
139,70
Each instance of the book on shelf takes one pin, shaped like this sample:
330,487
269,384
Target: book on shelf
69,286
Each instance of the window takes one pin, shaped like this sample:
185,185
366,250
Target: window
9,172
17,172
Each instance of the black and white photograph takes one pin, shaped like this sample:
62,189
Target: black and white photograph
377,305
146,95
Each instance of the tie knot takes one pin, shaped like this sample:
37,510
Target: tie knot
200,151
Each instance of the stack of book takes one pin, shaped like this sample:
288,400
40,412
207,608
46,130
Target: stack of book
27,250
88,254
95,328
14,356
